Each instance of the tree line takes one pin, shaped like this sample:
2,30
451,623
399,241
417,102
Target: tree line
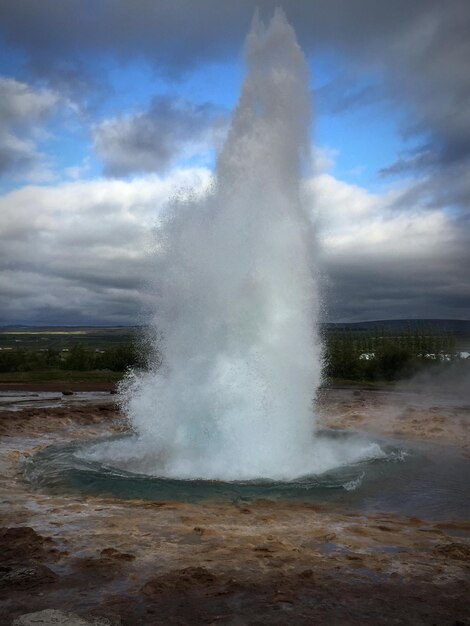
78,358
384,355
348,355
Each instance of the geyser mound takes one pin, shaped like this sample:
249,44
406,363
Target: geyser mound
237,301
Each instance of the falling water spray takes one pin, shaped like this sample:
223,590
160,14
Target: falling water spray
237,300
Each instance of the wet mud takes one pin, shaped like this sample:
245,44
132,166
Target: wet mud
143,562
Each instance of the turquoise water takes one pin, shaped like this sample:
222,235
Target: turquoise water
424,480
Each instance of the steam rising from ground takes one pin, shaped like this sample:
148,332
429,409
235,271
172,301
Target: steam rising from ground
237,301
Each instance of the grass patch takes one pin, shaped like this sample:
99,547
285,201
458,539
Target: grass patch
57,375
43,332
347,382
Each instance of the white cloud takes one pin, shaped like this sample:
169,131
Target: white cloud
22,105
349,214
77,172
152,140
23,111
79,251
385,258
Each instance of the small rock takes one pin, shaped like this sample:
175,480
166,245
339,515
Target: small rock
383,528
67,392
458,551
182,580
22,543
262,549
53,617
25,575
283,597
112,553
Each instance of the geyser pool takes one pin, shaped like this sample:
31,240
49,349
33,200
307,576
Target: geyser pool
84,466
237,302
424,480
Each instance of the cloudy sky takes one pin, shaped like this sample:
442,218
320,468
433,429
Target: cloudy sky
108,108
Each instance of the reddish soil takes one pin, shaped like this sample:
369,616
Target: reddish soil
57,386
148,563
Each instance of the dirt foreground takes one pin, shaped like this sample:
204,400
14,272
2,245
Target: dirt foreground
141,562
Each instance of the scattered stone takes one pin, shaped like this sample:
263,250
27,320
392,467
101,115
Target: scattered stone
458,551
112,553
383,528
27,574
262,549
282,597
180,580
24,543
53,617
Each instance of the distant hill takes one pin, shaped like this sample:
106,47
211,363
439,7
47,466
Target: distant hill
64,337
41,337
459,327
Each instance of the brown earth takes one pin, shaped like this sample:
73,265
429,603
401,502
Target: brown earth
280,563
58,386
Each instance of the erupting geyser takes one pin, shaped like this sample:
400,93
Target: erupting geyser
237,302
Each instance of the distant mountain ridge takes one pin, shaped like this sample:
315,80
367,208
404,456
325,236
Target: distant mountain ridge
459,329
41,337
455,327
444,325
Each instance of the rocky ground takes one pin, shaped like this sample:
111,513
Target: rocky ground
140,562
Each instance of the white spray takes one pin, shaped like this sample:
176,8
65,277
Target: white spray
237,301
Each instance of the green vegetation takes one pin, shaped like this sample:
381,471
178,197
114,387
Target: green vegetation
67,354
60,376
41,338
78,358
368,353
385,355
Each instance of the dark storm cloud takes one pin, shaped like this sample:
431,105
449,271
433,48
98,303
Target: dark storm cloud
22,112
437,184
177,34
417,52
365,293
150,141
42,301
421,49
382,288
79,252
390,255
344,94
172,35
